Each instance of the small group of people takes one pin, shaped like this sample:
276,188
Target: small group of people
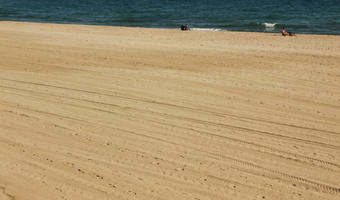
185,27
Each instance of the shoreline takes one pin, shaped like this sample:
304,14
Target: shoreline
141,27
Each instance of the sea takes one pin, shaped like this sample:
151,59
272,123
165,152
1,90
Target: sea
299,16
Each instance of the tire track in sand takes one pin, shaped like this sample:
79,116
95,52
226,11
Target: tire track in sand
5,194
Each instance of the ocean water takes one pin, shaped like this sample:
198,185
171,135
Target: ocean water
300,16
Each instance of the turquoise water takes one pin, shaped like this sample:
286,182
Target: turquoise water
300,16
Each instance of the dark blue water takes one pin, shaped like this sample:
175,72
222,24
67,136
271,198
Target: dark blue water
300,16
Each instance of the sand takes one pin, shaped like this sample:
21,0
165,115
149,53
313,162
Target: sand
95,112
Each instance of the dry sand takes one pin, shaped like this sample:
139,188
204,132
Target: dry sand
94,112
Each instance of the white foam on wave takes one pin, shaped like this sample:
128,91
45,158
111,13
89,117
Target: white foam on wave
269,25
206,29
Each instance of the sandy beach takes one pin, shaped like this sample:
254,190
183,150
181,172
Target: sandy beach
100,112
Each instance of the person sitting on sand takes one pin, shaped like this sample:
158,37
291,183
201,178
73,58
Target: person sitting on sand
285,33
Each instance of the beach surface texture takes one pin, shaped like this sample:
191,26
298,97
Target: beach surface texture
99,112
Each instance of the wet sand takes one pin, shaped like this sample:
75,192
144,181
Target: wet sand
95,112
